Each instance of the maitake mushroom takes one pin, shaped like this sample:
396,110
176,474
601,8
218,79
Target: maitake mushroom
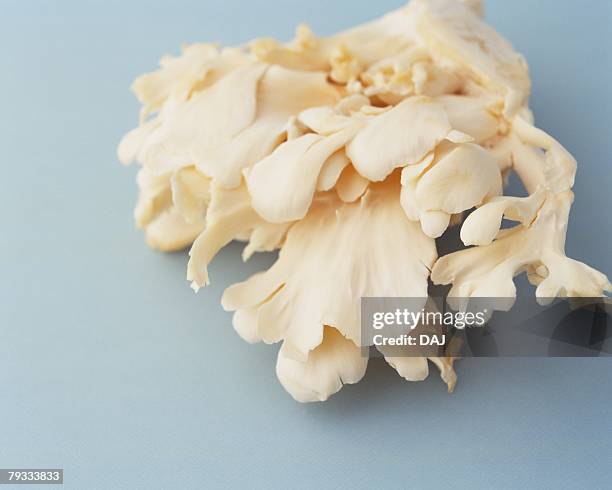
351,154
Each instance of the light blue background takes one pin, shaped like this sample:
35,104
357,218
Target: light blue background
110,366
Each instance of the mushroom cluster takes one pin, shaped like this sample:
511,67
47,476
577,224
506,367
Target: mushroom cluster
352,154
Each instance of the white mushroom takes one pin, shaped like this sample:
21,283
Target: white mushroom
199,65
230,216
289,303
399,137
456,179
351,153
190,193
453,33
488,271
351,185
336,361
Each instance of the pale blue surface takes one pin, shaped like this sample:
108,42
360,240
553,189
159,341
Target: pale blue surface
111,368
